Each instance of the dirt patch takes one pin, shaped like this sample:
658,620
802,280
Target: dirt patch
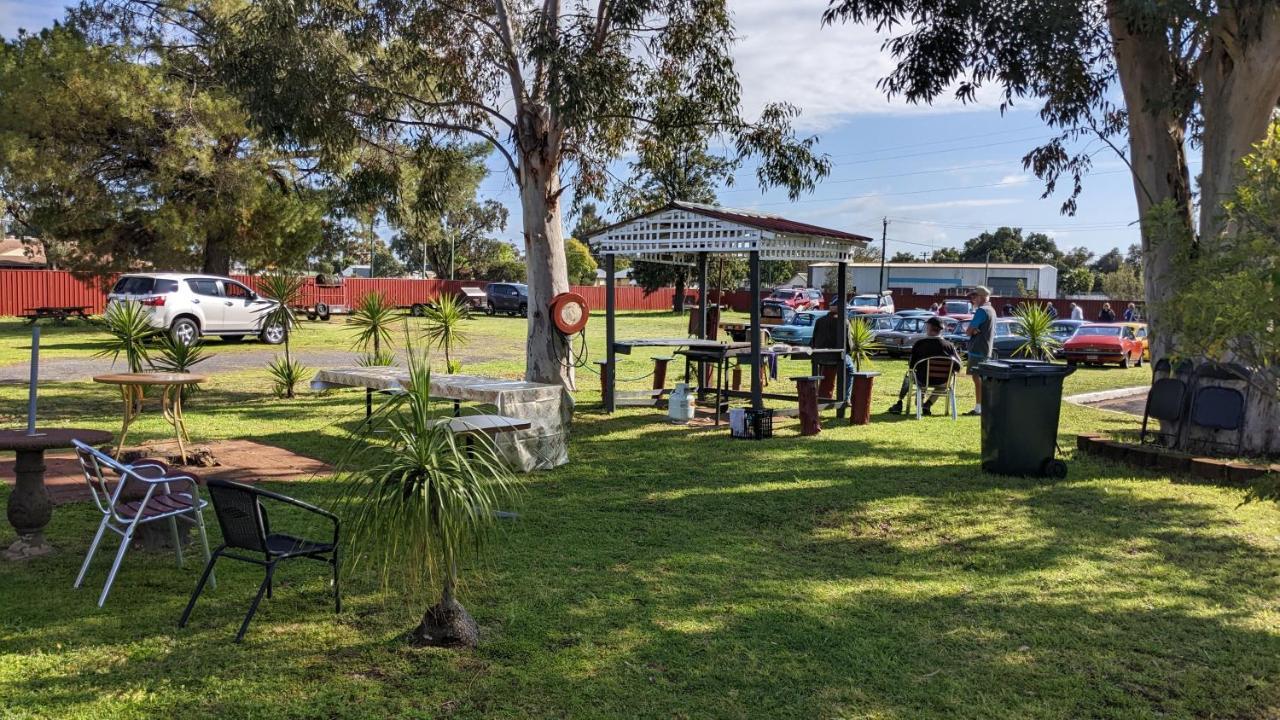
240,460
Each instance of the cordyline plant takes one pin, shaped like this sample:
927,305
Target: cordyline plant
862,343
444,326
422,500
1036,323
130,329
286,289
372,320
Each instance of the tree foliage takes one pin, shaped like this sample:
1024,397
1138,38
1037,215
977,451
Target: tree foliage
582,266
1076,281
125,156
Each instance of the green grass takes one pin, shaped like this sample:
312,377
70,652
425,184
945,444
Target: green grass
871,572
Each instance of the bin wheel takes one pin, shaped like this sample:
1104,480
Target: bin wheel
416,310
1054,468
322,311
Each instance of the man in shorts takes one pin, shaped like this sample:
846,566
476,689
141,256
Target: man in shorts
982,338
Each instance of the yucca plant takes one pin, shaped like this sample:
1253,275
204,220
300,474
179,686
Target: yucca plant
862,342
286,375
1036,323
179,357
423,503
285,288
127,324
372,319
370,359
443,328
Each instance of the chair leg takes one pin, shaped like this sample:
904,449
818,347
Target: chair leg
204,542
204,577
253,608
93,548
115,566
337,590
919,401
177,539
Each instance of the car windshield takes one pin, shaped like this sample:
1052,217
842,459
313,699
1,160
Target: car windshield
1102,331
1062,328
783,294
958,306
802,319
865,301
1007,329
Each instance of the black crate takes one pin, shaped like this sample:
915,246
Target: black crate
758,425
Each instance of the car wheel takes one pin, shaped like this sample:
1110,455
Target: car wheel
272,334
1139,362
184,331
488,310
1126,362
322,312
524,310
232,338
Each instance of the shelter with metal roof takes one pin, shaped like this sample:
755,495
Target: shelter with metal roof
688,233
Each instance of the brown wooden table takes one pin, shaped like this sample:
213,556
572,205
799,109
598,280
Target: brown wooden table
29,507
131,387
58,312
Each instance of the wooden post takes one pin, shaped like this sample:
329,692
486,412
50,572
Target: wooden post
807,392
611,360
753,261
704,369
660,372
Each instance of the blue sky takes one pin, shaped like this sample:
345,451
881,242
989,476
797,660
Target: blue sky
941,174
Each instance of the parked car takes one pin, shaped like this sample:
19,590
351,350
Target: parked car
903,335
1008,337
1062,330
916,312
1140,331
1100,343
799,329
879,321
771,314
191,306
509,298
953,308
798,298
871,303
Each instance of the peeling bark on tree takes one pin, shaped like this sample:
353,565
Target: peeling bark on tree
548,270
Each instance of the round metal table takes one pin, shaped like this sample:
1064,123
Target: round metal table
29,507
131,386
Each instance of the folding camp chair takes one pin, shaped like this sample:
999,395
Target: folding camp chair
940,379
246,526
1216,407
1166,402
170,497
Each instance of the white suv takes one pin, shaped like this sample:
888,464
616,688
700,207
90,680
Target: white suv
188,306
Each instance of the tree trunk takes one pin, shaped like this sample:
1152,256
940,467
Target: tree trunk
1156,153
548,273
217,254
677,301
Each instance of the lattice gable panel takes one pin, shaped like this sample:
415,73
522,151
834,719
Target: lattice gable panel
678,231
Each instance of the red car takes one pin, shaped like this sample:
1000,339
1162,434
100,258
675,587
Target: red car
1099,343
798,298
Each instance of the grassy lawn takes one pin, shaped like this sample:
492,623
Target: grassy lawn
871,572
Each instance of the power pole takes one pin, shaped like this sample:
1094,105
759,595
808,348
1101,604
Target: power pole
986,273
884,249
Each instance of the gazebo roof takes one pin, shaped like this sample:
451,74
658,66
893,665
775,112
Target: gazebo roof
683,228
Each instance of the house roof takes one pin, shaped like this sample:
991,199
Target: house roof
673,232
14,253
955,266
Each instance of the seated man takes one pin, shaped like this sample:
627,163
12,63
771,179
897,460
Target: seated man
932,345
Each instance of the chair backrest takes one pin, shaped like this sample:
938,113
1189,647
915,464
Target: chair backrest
242,519
1167,399
92,463
1218,408
938,370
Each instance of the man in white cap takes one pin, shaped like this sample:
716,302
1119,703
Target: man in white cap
982,339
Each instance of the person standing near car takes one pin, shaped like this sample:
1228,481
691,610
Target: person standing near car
982,339
1131,313
1077,313
1106,314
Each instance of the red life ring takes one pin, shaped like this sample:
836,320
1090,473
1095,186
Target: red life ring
569,312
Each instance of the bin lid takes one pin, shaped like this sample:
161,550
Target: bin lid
1005,369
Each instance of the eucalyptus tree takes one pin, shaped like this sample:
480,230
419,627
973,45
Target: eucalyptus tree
557,89
1150,80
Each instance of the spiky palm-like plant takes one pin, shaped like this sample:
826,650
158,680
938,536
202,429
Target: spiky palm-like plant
179,357
444,325
1036,323
285,288
372,319
130,331
421,504
862,342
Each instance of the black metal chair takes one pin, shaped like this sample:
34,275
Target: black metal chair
246,526
1167,402
1217,407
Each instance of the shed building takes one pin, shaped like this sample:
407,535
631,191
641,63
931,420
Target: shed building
1004,279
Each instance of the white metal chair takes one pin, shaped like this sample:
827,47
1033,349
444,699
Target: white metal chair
160,501
940,379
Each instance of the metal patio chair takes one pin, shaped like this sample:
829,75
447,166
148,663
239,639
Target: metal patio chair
168,496
940,379
242,515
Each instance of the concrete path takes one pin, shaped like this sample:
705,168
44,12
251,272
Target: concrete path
1132,401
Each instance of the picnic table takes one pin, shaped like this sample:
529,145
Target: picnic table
547,408
55,312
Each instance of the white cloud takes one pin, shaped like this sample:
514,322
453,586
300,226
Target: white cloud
952,204
786,54
1015,179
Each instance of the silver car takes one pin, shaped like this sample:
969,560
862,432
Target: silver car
189,306
903,336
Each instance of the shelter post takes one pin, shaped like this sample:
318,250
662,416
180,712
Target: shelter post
757,402
842,311
610,307
702,296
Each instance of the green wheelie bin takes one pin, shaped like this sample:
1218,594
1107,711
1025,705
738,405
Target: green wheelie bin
1021,400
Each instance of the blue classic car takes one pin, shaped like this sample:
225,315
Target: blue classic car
799,329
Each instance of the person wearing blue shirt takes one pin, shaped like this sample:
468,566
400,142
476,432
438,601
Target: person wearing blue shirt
982,338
